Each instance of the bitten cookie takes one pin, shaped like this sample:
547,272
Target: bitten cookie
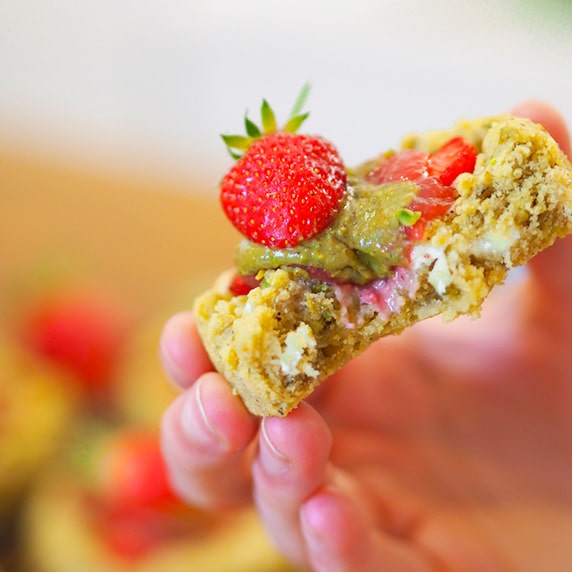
426,230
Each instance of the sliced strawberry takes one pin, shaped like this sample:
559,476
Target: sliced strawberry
432,173
401,166
430,208
242,285
453,158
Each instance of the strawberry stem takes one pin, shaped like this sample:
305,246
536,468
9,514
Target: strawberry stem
237,145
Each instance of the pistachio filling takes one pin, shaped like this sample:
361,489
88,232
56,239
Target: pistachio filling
364,242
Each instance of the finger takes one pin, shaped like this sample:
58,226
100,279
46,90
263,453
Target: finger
206,437
543,113
291,464
182,352
339,537
551,274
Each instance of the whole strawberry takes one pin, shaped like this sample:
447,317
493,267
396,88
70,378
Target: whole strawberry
286,187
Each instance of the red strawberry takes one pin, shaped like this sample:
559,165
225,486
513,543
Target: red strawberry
432,173
455,157
130,535
127,491
129,472
242,285
81,330
287,187
401,166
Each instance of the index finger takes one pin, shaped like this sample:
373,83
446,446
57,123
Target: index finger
182,352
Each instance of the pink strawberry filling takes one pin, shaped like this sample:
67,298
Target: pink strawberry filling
387,295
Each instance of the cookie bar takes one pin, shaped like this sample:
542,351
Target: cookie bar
276,342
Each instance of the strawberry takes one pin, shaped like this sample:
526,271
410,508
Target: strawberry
81,330
129,535
242,285
127,493
402,166
286,187
453,158
433,173
456,156
131,473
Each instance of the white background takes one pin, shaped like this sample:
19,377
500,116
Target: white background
148,86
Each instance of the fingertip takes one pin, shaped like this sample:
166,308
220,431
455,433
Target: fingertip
553,121
182,353
206,423
336,534
223,413
302,437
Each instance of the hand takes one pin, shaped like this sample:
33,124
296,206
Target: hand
448,447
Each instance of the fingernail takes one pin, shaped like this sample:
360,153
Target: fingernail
273,460
196,420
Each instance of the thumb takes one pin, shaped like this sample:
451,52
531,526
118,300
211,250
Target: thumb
551,270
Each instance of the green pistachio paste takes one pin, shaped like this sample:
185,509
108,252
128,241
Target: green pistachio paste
364,242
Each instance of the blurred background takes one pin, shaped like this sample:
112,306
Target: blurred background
151,84
110,115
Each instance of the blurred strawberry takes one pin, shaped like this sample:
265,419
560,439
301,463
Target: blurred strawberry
80,329
130,473
129,534
131,501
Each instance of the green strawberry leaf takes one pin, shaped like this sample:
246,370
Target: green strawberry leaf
234,154
252,129
293,124
268,118
238,142
237,145
301,100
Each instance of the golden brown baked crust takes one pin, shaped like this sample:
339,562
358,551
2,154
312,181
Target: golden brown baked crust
276,344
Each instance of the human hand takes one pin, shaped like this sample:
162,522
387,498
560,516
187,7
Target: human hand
448,447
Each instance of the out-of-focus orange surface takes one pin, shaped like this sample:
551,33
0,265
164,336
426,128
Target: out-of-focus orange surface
139,236
153,245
